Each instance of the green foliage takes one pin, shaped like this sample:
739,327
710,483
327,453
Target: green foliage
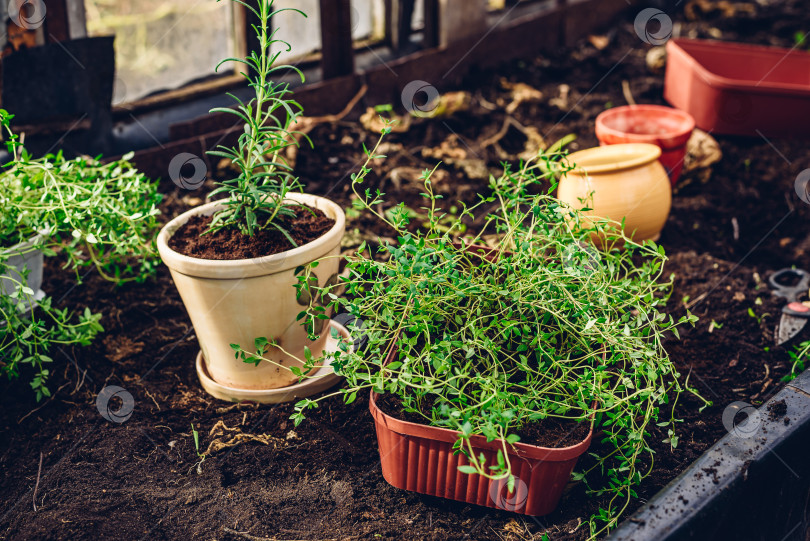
257,196
799,356
755,316
544,324
97,215
195,435
28,336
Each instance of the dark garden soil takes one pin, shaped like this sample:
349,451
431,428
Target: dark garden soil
305,226
67,473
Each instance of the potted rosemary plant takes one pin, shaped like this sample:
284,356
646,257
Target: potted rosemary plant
93,214
491,363
234,259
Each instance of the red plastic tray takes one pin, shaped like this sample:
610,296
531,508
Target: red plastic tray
420,458
738,89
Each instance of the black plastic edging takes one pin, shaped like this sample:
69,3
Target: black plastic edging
743,488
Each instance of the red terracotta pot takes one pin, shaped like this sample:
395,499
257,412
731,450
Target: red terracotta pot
665,127
739,89
420,458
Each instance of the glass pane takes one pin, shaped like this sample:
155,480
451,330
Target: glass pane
163,44
302,33
368,19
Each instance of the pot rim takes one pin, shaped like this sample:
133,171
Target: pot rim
721,82
675,138
436,433
624,155
251,267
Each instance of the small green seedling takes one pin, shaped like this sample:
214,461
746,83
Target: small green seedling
757,317
799,356
196,436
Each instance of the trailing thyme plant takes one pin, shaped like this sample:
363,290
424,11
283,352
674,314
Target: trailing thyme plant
99,215
27,336
257,196
542,324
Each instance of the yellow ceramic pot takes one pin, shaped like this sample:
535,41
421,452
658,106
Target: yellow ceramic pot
627,182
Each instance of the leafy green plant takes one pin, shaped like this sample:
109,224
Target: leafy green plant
27,336
799,356
99,215
754,315
486,343
256,198
102,215
195,434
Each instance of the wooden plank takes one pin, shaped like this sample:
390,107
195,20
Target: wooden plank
462,19
154,162
398,23
430,34
328,97
583,18
337,51
57,27
180,95
445,67
77,19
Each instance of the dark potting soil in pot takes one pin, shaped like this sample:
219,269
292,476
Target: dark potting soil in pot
307,225
553,433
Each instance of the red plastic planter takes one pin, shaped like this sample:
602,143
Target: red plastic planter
665,127
420,458
739,89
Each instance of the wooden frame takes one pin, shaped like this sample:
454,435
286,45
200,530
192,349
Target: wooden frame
338,49
66,20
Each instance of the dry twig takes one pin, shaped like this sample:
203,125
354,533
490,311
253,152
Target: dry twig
36,486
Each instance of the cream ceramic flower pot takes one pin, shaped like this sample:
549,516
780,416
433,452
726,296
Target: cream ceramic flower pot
627,182
237,301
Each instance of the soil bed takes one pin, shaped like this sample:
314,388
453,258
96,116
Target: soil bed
730,227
